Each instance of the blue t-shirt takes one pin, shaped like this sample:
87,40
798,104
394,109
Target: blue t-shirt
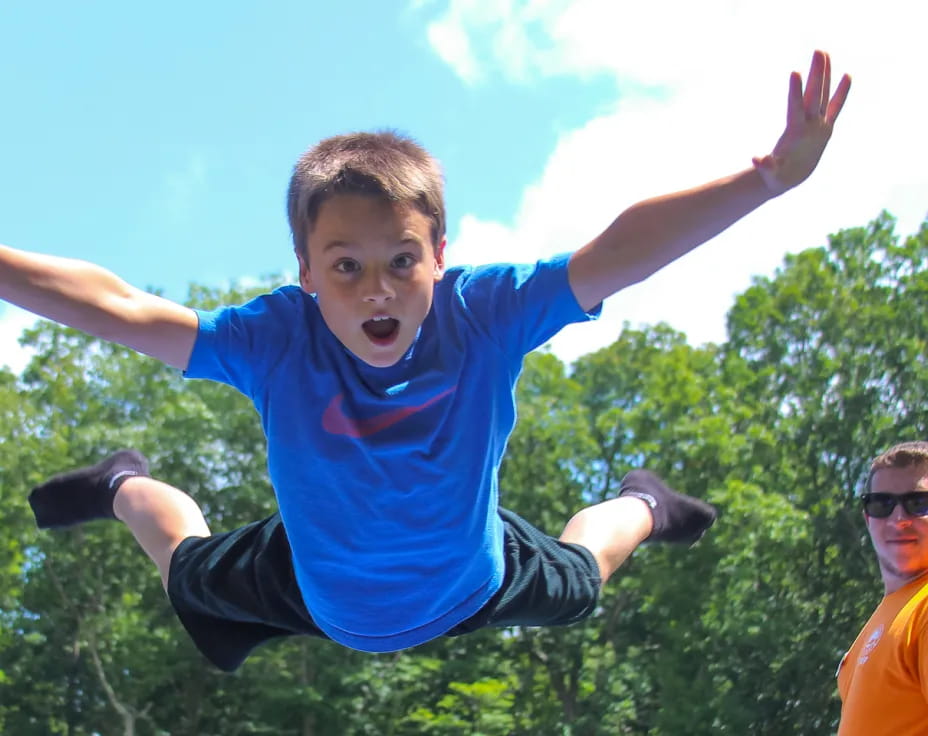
386,478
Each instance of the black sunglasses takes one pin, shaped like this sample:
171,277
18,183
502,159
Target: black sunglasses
881,505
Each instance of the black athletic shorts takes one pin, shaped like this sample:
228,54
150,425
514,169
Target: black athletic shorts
237,590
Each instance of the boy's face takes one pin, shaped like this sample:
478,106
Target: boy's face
373,268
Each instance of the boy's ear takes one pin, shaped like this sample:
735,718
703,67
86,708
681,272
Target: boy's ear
306,276
440,260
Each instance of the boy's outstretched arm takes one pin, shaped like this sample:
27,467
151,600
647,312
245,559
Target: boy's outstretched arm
91,299
649,235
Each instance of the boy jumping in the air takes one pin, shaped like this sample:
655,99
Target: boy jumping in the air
385,388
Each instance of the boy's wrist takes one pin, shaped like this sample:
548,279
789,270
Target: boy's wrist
765,184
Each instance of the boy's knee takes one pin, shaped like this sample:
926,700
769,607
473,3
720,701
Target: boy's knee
585,515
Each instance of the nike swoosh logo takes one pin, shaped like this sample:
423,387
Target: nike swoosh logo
335,421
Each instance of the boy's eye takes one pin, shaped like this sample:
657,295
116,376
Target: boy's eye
404,260
347,265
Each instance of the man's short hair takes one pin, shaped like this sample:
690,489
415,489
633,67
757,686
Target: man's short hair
899,456
380,164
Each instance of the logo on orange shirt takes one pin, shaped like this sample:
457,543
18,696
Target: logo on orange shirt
872,641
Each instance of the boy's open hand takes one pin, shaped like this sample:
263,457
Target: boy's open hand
810,117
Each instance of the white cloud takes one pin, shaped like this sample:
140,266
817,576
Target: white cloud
667,41
724,65
453,46
13,321
512,34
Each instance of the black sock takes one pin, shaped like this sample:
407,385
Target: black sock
85,494
677,518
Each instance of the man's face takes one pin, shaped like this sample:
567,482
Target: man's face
900,540
373,268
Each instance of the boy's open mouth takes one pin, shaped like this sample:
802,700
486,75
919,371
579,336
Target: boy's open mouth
381,330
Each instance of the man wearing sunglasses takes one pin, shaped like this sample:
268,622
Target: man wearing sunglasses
888,662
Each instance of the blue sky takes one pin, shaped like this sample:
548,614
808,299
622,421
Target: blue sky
158,140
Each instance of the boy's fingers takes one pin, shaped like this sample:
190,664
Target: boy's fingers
837,100
826,87
795,111
813,96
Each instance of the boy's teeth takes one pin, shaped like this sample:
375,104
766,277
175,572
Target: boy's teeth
381,327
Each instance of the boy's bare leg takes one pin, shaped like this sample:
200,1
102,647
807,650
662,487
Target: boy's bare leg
645,510
160,517
611,530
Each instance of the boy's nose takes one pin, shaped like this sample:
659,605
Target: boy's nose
377,287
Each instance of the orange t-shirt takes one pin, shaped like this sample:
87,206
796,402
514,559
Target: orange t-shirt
883,679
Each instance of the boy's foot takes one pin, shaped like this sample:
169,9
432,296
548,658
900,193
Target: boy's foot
677,518
85,494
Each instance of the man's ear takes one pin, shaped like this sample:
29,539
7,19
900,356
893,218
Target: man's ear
440,260
306,276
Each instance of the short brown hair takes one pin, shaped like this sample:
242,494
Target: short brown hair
379,164
899,456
